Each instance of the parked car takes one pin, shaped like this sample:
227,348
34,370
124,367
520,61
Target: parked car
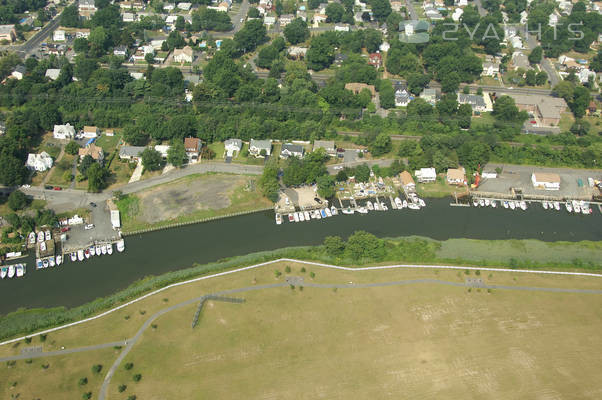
57,188
65,229
318,200
92,204
89,226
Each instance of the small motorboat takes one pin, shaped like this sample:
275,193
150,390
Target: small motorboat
493,203
568,206
87,253
398,203
278,219
323,213
487,202
312,214
482,202
80,255
545,205
327,211
43,246
334,210
422,203
576,208
585,209
369,205
296,217
307,216
103,248
376,206
318,214
20,270
413,206
362,210
73,256
51,262
47,235
45,263
301,216
11,271
40,236
523,205
109,248
384,207
505,204
59,260
512,205
39,264
475,202
347,211
517,204
92,251
98,250
557,206
3,272
120,246
32,238
291,218
404,204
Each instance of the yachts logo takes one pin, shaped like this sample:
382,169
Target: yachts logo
414,31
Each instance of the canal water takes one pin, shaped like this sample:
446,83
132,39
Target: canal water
75,283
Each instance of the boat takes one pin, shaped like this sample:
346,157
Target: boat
3,272
523,205
45,263
576,208
369,205
486,202
327,211
493,203
318,214
307,216
334,210
505,204
47,235
323,213
545,205
398,203
11,271
384,207
475,202
404,204
291,218
20,270
296,216
93,251
301,216
51,262
278,219
422,203
80,255
482,202
585,209
74,256
59,260
347,211
98,250
556,206
103,248
39,264
120,246
517,204
362,210
109,248
43,246
413,206
568,206
32,238
87,253
40,236
512,205
376,206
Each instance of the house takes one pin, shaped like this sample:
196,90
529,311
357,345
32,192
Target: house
52,73
18,73
407,181
591,108
291,150
232,146
39,162
320,18
545,180
478,103
184,55
425,175
109,132
286,19
431,96
193,148
90,132
257,147
93,151
456,176
376,60
547,109
184,6
356,88
82,33
461,3
402,98
302,15
457,14
524,16
169,7
269,21
131,153
584,75
64,131
516,42
120,51
553,19
8,33
296,52
58,35
133,5
128,17
384,47
341,28
327,145
340,58
397,5
490,68
162,149
87,8
520,60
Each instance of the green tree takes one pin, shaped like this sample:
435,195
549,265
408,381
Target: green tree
320,53
326,187
268,183
334,12
505,109
151,159
364,245
380,9
17,200
72,148
362,173
381,145
176,154
536,55
252,34
334,245
70,17
97,177
297,31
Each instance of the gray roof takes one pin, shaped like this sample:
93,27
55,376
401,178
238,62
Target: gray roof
6,29
131,151
21,69
324,144
472,99
261,144
293,148
236,142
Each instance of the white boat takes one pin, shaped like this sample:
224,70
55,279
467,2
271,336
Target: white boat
413,206
20,270
398,203
109,248
475,202
369,205
576,208
545,205
59,259
98,250
93,251
334,210
307,216
39,264
11,271
43,246
47,235
45,263
32,238
512,205
493,203
40,236
568,206
585,209
120,246
384,207
80,255
404,204
517,204
291,218
51,262
347,211
422,203
301,216
505,204
103,248
323,213
376,206
523,205
87,253
3,272
296,216
486,202
327,211
278,219
362,210
73,256
482,202
556,206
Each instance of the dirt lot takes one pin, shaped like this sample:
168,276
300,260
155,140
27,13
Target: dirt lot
188,196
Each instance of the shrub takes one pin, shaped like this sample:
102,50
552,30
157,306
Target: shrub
87,395
129,366
277,273
97,368
303,269
478,272
287,269
43,338
28,361
82,381
122,388
137,377
292,287
27,340
132,397
312,275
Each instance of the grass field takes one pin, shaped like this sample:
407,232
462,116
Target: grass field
420,340
438,189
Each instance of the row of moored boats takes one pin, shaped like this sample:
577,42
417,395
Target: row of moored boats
41,236
509,204
309,215
11,271
82,254
572,206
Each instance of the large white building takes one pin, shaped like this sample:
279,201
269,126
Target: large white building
425,175
64,131
545,180
39,162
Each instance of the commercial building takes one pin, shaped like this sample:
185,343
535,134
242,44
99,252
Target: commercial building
545,180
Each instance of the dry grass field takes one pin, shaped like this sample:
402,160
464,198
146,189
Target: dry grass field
422,340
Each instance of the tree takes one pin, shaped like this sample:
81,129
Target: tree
505,109
252,34
381,9
151,159
268,183
364,245
362,173
97,177
176,154
17,200
536,55
72,148
541,78
297,31
180,23
80,45
84,67
85,163
320,53
326,187
133,135
334,12
387,94
96,368
70,17
137,377
334,245
381,145
341,176
266,56
253,13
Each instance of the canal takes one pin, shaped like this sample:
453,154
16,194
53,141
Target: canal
155,253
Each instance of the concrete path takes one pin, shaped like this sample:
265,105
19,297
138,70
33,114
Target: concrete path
137,174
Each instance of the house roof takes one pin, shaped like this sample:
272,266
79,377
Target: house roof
92,150
187,50
192,143
233,142
131,151
358,87
456,174
53,73
549,107
261,144
292,148
324,144
406,178
547,177
472,99
6,29
90,129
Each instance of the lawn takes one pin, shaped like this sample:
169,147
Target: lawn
421,340
219,150
566,121
483,121
58,172
440,188
108,143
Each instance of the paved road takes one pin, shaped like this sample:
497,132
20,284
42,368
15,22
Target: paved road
241,14
545,63
411,10
27,356
482,11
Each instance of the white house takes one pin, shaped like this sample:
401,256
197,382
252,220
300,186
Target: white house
58,35
425,175
269,21
545,180
90,132
184,55
256,147
64,131
52,73
184,6
232,146
490,68
456,176
584,75
162,149
402,98
341,28
128,17
39,162
320,18
292,150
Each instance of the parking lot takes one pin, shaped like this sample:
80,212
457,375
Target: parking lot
78,237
